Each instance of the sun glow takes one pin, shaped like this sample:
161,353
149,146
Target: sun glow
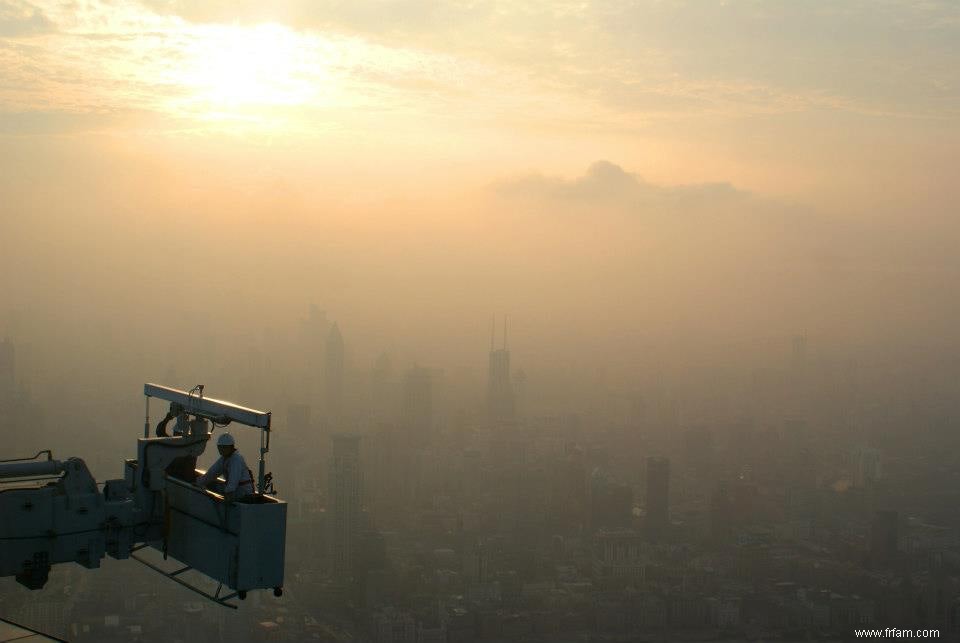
238,71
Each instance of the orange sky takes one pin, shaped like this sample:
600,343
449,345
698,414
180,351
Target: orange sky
659,164
822,102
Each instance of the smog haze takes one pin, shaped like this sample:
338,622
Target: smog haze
671,214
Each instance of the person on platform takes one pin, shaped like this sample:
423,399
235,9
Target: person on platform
233,468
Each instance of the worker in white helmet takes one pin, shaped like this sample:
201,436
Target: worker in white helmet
230,464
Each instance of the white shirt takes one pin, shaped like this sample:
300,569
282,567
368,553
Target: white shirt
235,472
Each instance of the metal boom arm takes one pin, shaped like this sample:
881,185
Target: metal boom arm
208,407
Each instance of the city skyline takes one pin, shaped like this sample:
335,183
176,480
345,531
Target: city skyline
606,320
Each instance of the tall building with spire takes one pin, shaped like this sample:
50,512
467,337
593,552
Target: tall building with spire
333,374
500,397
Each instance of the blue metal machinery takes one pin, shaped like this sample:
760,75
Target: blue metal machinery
53,512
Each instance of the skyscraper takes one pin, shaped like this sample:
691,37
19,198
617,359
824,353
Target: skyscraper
658,493
343,497
309,347
313,329
500,400
333,374
519,392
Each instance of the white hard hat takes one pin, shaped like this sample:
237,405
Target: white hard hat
225,440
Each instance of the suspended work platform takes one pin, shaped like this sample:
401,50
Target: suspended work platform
53,511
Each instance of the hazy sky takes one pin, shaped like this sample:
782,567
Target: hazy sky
835,100
653,166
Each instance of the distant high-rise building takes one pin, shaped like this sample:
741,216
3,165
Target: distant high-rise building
883,537
417,411
313,330
309,348
343,497
333,373
658,493
500,398
519,392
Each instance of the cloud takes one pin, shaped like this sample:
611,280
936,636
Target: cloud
18,19
722,232
608,184
716,223
663,58
561,67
